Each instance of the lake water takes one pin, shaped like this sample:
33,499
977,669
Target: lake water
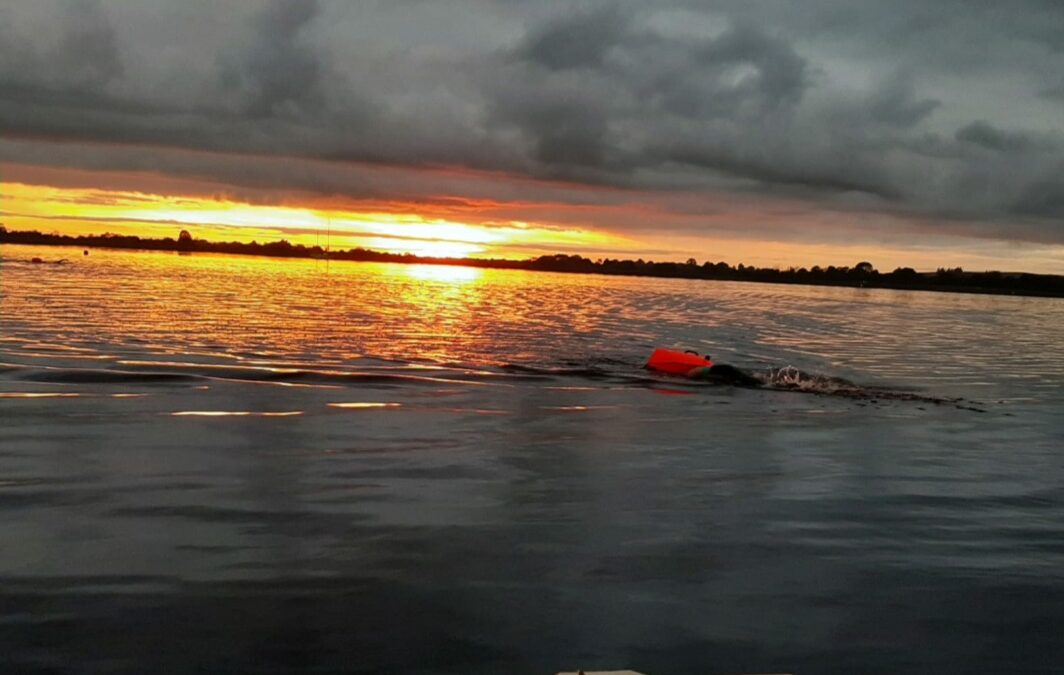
235,464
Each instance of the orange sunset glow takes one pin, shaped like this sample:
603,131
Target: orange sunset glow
82,211
478,229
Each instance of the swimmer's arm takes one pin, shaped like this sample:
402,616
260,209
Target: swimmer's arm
699,373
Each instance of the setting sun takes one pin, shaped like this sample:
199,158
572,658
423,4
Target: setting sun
80,211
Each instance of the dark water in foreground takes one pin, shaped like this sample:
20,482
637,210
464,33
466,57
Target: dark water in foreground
213,464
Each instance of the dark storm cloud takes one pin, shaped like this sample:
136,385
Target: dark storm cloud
926,110
1044,198
990,137
895,103
580,40
279,74
81,55
88,52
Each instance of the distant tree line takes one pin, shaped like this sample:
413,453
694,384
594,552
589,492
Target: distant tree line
863,274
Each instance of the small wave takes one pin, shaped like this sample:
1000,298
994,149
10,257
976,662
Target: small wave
546,373
100,376
789,377
600,361
35,261
163,372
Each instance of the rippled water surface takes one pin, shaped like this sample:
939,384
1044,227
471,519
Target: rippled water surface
234,464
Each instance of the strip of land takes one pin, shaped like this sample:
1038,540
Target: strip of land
863,274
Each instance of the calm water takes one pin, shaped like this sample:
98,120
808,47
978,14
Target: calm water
226,464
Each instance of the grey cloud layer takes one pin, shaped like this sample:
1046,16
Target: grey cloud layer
929,110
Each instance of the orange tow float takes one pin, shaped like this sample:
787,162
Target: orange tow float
692,366
674,362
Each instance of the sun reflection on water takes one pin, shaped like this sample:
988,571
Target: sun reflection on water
444,273
213,314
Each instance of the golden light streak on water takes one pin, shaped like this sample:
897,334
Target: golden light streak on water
445,273
207,366
578,408
234,413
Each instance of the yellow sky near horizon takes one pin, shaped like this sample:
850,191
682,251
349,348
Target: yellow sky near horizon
93,211
79,210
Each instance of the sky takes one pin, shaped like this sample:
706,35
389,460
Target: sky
776,133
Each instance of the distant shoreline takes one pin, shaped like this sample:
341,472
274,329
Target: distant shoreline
862,275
